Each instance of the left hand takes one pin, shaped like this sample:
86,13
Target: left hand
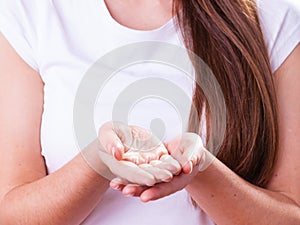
188,150
135,155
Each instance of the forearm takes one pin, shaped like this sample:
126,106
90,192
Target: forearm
64,197
230,200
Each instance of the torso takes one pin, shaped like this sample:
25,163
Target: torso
91,33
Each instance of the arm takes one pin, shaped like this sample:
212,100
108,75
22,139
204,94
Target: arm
230,200
27,195
243,203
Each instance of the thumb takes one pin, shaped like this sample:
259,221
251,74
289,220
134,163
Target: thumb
110,135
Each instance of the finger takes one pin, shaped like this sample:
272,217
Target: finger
197,158
173,145
165,189
161,190
110,141
126,188
159,174
127,170
189,151
112,144
193,161
123,131
188,167
179,155
155,193
170,164
160,150
134,157
176,148
193,145
118,183
133,190
136,175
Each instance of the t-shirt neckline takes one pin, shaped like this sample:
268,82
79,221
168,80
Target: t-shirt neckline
117,26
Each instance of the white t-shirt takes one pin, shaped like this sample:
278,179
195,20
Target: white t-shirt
63,39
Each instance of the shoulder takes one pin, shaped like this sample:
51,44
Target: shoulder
18,23
278,11
23,24
280,23
19,8
277,8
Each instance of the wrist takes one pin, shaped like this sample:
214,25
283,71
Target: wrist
93,162
206,160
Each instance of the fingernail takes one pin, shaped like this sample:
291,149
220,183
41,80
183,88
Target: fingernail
150,183
191,167
167,179
128,195
128,191
119,145
188,167
118,151
115,187
118,155
144,199
113,183
113,151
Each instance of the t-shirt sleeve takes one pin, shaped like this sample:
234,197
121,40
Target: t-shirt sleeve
18,26
280,23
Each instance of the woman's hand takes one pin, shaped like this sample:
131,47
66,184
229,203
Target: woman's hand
135,155
188,150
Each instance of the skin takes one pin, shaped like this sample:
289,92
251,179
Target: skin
141,15
279,203
24,184
145,159
225,196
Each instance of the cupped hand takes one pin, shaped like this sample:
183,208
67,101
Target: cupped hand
135,155
189,151
157,191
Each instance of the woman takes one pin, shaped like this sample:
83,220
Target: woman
46,46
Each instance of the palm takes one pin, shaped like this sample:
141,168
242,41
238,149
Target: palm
142,146
137,150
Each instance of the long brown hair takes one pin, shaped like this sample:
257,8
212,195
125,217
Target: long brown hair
227,36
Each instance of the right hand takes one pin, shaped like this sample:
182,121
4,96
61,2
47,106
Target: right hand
135,155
